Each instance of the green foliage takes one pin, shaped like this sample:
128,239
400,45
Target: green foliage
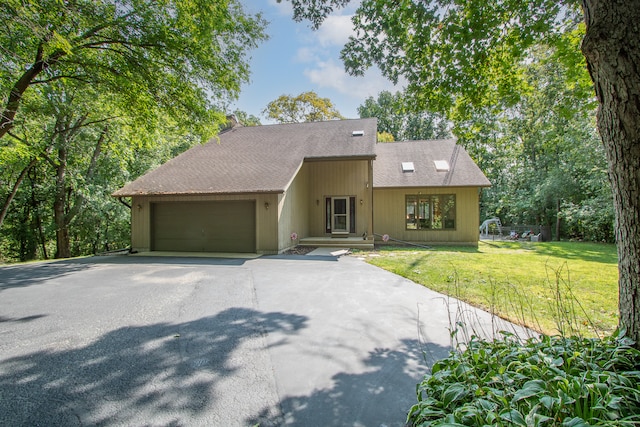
385,137
401,122
74,122
94,94
246,119
592,219
550,381
173,57
306,107
543,155
452,54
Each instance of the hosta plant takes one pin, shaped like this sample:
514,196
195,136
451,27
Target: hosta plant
548,381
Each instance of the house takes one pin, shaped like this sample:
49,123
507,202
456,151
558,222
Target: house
427,191
267,188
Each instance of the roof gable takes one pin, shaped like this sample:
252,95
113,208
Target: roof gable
257,159
429,159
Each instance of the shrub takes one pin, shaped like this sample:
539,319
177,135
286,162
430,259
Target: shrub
592,220
549,381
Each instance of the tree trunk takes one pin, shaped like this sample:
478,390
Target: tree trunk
63,244
62,212
558,220
612,49
35,203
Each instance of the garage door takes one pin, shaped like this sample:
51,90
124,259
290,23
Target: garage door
225,226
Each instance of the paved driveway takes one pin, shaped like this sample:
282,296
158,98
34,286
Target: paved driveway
288,340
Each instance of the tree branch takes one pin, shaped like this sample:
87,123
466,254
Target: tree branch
95,30
18,89
14,190
52,79
13,135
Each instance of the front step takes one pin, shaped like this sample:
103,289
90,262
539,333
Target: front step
338,242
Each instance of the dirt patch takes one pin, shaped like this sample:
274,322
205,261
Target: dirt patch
299,250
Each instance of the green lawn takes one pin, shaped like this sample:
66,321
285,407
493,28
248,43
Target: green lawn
528,283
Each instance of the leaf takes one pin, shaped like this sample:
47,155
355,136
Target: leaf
534,418
454,393
537,420
486,405
549,402
575,422
529,389
431,413
513,416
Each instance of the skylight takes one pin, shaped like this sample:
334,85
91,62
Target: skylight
357,133
441,165
408,167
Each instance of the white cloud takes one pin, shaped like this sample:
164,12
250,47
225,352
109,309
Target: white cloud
283,7
306,54
330,75
335,30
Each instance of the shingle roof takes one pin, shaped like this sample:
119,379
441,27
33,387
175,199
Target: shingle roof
260,159
387,168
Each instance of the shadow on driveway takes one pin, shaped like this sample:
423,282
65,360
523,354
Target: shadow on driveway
207,342
161,374
362,399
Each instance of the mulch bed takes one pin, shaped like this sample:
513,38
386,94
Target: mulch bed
299,250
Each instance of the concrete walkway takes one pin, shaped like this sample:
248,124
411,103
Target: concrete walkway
312,340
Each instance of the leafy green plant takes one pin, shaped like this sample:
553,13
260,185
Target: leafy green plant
546,381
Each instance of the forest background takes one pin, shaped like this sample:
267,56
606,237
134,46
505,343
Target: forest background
121,90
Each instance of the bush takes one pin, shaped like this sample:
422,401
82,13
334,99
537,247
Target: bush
592,220
550,381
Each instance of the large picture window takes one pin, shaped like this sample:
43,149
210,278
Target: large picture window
431,212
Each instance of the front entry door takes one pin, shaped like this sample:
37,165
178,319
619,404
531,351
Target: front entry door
340,215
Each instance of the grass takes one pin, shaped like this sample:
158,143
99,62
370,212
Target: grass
528,283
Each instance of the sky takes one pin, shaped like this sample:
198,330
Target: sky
297,59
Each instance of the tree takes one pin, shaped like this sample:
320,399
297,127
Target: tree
612,48
306,107
385,137
543,155
398,120
77,147
246,119
457,56
175,54
65,64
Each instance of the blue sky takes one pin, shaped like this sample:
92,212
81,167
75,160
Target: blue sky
296,59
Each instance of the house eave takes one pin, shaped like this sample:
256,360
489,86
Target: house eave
339,158
397,187
196,193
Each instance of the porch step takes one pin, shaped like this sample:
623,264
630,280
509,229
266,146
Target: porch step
338,242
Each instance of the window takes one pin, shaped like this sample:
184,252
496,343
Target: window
431,212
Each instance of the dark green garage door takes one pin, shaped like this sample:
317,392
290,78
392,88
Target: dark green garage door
225,226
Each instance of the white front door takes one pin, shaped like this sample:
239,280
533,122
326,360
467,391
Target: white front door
340,215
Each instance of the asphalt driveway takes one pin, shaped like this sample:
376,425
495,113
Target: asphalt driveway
286,340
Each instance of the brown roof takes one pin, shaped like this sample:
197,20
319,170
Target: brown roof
260,159
388,172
